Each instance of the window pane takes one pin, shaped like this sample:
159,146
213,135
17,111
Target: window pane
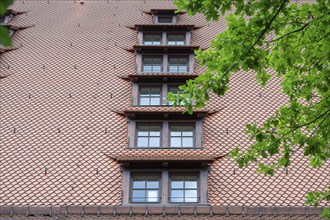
142,142
138,196
156,69
187,142
176,184
154,133
154,142
165,19
155,91
190,193
177,193
152,196
139,184
176,142
182,69
145,91
155,101
142,133
147,60
153,184
191,184
152,39
145,101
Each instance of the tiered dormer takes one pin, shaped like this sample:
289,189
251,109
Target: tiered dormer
165,162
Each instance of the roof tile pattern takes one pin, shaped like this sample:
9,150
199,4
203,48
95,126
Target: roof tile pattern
64,88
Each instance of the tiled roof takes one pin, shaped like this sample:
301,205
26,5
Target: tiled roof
66,86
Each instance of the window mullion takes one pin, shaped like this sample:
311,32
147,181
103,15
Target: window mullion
165,134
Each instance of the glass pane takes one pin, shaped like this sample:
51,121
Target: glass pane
191,200
183,61
175,142
180,43
142,142
187,142
155,101
176,200
145,101
173,61
157,60
147,68
156,69
191,184
152,196
177,196
155,91
152,184
142,133
145,91
138,196
176,193
182,69
164,19
154,142
175,133
147,60
173,69
190,193
139,184
190,178
176,184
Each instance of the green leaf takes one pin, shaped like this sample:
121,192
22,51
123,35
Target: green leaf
5,39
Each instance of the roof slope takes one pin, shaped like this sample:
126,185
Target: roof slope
64,88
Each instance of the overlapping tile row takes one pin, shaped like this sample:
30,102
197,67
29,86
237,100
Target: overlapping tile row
62,106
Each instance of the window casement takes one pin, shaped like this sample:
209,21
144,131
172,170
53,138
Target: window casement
152,64
173,134
182,135
152,38
164,19
176,38
170,38
145,188
178,64
184,188
153,94
148,135
162,63
150,95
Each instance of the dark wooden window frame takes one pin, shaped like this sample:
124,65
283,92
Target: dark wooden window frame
165,61
157,174
150,86
176,33
153,56
186,173
202,174
149,123
165,88
165,138
153,33
164,37
178,124
178,57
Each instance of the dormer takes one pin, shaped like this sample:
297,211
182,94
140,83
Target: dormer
164,16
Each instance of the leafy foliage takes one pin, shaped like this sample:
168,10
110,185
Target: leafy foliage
4,33
289,38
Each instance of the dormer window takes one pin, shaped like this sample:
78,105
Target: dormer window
178,64
165,19
164,16
152,64
152,38
176,38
